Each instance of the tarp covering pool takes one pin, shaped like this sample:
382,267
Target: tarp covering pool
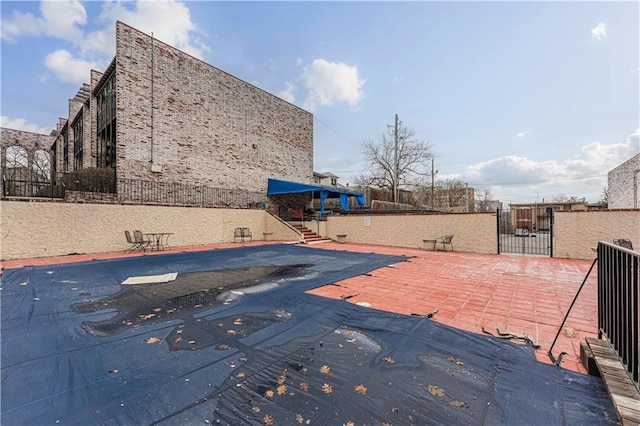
234,339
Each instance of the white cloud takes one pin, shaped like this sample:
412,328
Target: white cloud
21,124
521,135
396,80
58,19
169,20
287,94
513,178
600,31
329,83
67,68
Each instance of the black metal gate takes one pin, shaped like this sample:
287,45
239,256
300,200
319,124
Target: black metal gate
525,230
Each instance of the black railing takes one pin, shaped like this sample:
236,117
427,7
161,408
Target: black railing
618,302
76,187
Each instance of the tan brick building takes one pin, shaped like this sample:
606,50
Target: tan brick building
158,114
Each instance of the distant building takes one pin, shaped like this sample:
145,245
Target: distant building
158,114
534,217
624,188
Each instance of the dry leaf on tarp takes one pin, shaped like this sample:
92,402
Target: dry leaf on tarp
361,389
436,390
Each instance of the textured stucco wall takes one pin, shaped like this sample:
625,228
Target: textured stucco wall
473,232
624,185
576,233
40,229
208,127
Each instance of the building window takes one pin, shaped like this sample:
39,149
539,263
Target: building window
65,150
334,181
78,143
106,123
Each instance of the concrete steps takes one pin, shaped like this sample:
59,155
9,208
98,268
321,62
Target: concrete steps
308,236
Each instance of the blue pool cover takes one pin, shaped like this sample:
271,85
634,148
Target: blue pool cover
234,339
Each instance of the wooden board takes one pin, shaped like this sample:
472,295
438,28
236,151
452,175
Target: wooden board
623,392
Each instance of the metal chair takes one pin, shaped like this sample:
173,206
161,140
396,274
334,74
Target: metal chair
623,242
444,241
139,239
134,244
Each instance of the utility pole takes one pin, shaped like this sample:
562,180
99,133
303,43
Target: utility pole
433,177
395,163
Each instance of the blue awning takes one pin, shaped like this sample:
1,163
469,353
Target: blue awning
279,187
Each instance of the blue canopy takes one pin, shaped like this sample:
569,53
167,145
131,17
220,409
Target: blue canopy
278,187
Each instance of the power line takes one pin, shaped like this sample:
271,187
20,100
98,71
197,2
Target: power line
335,131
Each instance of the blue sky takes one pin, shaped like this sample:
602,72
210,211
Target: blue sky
529,100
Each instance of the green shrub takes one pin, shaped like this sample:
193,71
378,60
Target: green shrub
92,179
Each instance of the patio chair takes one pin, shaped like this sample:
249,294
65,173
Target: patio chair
444,241
134,244
139,239
623,242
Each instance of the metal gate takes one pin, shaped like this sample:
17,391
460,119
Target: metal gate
525,230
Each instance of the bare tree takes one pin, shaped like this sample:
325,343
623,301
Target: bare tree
604,197
484,201
562,198
414,157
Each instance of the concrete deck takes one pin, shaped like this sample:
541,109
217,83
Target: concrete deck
513,294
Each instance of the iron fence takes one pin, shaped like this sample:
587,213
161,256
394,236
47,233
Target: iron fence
618,302
106,189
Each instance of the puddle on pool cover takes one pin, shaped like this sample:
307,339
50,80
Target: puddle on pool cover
144,303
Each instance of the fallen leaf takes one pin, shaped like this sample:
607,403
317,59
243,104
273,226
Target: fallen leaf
456,360
389,360
256,409
151,340
269,393
281,379
238,321
156,309
325,370
304,386
113,371
222,347
436,390
192,342
23,284
299,418
142,316
327,388
268,420
361,389
240,375
570,331
198,306
178,340
231,332
349,423
457,403
282,389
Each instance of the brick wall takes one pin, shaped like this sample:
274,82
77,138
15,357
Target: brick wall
31,142
208,127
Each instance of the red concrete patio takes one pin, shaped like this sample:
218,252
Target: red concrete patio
513,294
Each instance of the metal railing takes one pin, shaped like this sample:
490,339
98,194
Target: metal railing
130,191
618,302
